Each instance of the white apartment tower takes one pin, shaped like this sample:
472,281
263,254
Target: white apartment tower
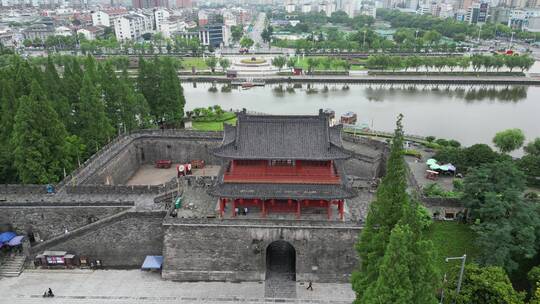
101,18
132,26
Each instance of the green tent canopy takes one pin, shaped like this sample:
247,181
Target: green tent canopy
431,161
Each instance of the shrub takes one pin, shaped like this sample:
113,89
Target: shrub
434,190
454,143
425,217
432,145
458,185
413,153
442,142
430,139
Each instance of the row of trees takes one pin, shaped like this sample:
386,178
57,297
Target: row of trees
51,121
477,62
450,27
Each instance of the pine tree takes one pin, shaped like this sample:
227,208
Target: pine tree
112,93
90,68
424,273
134,109
38,139
394,283
148,84
8,106
53,86
91,122
384,214
72,80
170,106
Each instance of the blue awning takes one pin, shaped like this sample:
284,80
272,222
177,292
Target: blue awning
16,240
152,262
7,236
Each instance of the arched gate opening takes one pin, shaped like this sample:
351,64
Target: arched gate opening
281,260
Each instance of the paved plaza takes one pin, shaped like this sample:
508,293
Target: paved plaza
135,286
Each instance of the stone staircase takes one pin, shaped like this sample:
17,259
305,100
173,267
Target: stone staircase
12,266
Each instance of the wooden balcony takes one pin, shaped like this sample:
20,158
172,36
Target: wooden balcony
261,172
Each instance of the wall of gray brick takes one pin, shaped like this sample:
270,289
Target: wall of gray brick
238,253
122,242
50,221
117,170
147,150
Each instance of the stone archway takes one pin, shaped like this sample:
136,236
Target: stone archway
281,260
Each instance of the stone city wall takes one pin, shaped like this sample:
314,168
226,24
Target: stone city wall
119,160
120,241
47,220
228,252
115,189
22,189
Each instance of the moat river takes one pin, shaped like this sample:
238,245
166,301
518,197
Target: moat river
469,114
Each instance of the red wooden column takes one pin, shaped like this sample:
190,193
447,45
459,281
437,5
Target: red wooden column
263,208
340,208
298,209
329,209
222,203
234,208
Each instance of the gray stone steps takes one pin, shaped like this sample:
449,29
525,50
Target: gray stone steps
12,266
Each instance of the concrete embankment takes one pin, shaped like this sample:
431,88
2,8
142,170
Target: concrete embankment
457,80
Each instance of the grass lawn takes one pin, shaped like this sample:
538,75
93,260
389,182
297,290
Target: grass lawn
216,124
197,62
452,239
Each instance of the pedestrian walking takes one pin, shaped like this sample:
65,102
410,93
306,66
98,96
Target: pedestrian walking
310,286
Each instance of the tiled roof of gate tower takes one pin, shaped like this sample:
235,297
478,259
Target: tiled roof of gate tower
307,137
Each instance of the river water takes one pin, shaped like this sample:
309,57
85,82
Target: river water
469,114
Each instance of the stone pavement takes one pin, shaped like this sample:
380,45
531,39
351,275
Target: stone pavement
134,286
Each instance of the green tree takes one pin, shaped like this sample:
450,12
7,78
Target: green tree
504,222
394,284
312,63
246,42
534,279
530,162
509,140
291,62
512,62
525,62
148,83
236,32
432,37
38,139
170,108
484,285
211,62
92,124
224,63
53,86
8,106
408,273
279,62
384,213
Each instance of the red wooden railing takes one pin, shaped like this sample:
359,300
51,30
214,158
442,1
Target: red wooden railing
262,172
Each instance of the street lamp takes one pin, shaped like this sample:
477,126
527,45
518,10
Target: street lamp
460,279
364,43
479,30
416,40
512,40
